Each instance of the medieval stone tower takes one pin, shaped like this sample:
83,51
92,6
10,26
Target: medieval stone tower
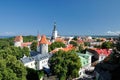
43,45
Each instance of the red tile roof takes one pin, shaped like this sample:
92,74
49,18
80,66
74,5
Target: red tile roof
68,48
103,51
26,44
43,40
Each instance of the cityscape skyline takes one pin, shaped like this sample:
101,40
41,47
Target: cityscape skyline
80,17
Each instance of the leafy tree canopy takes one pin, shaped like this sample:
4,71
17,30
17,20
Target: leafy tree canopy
81,48
56,45
87,43
65,64
107,45
34,74
16,51
33,46
74,43
29,38
11,68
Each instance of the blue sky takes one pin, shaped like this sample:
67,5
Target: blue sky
77,17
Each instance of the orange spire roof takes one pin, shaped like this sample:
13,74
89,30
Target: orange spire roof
18,38
43,40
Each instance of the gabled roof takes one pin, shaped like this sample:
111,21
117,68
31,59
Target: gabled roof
68,48
43,40
105,52
26,44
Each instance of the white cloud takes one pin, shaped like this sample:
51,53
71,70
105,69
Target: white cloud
113,33
7,33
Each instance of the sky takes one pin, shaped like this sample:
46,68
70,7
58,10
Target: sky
72,17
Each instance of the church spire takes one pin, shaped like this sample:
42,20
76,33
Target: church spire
54,26
54,33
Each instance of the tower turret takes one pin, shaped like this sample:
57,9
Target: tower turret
43,45
18,41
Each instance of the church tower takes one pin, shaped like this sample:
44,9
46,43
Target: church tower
54,33
43,45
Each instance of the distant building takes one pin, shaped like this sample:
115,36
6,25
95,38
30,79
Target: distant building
18,42
85,60
110,69
99,54
103,53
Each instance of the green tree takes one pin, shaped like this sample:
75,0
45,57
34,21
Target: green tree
34,74
74,43
87,43
4,44
26,51
11,68
56,45
33,46
107,45
17,51
80,48
29,38
65,64
75,38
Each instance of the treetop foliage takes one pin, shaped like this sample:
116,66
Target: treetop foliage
56,45
65,64
11,68
107,45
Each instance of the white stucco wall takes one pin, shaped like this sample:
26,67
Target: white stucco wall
30,64
42,63
17,44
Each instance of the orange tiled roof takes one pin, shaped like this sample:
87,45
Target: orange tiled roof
59,40
68,48
103,51
56,49
43,40
18,38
